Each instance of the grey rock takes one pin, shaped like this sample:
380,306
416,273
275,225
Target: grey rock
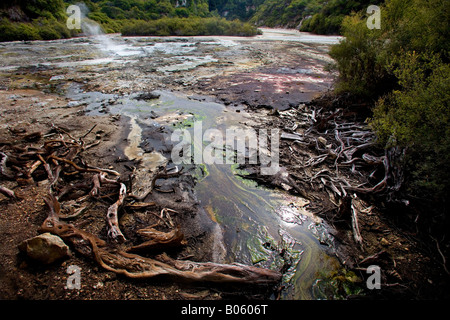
46,248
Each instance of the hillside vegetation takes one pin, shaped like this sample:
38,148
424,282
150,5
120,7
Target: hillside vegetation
404,68
317,16
189,27
33,20
46,19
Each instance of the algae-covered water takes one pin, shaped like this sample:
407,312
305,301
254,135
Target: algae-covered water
255,225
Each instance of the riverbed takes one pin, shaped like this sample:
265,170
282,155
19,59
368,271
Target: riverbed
153,83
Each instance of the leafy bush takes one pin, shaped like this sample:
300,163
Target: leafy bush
417,116
47,33
405,67
327,16
361,60
44,9
38,29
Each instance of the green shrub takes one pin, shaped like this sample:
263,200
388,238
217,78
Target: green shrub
361,60
18,31
44,9
181,12
47,33
50,29
417,116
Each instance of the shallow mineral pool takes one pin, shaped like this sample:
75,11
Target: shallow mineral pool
253,224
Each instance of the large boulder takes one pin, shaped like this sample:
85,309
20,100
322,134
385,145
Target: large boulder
45,248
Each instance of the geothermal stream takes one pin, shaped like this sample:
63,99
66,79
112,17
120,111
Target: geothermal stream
250,220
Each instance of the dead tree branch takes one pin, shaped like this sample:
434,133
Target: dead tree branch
114,233
355,225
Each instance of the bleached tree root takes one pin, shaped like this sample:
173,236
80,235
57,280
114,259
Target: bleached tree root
7,192
114,233
138,267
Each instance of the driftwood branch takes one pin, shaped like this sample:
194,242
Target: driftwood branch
444,260
217,272
3,170
96,185
80,169
372,259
